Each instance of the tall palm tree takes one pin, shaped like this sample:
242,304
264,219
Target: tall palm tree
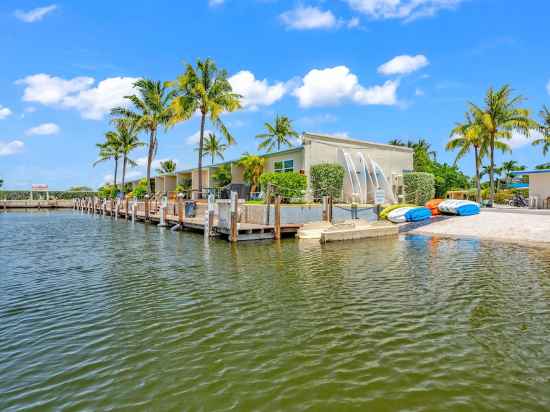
500,117
152,110
544,128
464,137
127,134
110,149
213,147
205,89
167,167
423,145
277,134
397,142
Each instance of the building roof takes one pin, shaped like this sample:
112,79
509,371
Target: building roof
529,172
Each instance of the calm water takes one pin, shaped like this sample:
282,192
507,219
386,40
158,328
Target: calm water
91,321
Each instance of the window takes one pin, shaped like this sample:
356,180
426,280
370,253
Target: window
283,166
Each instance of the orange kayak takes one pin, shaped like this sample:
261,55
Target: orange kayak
433,206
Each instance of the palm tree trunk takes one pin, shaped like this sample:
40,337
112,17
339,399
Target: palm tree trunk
478,176
150,160
201,145
116,171
124,174
492,172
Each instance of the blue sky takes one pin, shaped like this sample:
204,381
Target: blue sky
369,69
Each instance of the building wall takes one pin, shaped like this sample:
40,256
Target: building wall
237,174
297,157
205,178
539,185
170,183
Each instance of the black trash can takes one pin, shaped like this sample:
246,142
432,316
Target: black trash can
190,208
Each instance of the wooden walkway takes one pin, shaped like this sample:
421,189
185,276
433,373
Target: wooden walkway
245,231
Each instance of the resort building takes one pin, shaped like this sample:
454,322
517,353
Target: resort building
539,187
370,167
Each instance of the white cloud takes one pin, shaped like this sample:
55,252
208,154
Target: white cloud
519,140
333,85
78,93
10,148
34,15
403,64
214,3
419,92
4,112
256,92
308,18
30,109
402,9
353,23
43,129
45,89
95,102
195,137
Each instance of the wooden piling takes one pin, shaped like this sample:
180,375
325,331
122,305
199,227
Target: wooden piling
125,208
277,217
234,233
181,210
209,227
146,208
268,204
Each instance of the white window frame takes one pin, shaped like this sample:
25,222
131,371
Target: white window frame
283,169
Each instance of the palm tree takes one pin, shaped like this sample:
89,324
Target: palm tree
277,134
213,147
151,110
508,167
167,167
253,168
127,134
110,149
397,142
423,145
500,117
207,90
464,137
544,128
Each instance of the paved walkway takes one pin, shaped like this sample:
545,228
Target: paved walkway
493,225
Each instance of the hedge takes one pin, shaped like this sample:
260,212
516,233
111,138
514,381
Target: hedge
327,179
53,194
289,185
419,187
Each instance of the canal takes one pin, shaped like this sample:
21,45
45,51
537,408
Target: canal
98,314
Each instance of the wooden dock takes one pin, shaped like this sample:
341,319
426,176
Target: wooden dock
151,213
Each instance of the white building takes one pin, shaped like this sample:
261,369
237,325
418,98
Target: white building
370,166
539,187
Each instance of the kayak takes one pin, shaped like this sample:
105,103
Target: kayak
409,214
433,205
459,207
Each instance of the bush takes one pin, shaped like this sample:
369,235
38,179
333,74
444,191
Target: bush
419,187
289,185
108,192
327,179
54,194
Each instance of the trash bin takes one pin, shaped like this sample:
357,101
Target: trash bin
190,209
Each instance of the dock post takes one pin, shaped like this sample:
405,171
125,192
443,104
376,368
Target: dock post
354,211
111,208
329,218
104,207
146,208
125,208
117,208
325,209
268,204
234,234
277,217
134,207
181,210
209,227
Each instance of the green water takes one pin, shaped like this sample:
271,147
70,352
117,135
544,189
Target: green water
101,315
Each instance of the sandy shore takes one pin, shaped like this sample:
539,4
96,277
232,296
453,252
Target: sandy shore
501,226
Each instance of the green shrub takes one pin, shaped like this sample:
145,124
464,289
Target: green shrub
107,191
289,185
54,194
419,187
327,179
222,175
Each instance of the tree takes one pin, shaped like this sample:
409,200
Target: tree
544,129
110,149
1,182
213,147
222,175
151,110
508,167
543,166
253,168
127,133
499,118
397,142
207,90
167,167
278,134
464,137
80,189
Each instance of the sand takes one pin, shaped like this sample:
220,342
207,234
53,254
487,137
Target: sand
501,226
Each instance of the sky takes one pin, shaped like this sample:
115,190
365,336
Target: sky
368,69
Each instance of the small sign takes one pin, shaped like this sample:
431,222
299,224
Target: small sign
379,196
